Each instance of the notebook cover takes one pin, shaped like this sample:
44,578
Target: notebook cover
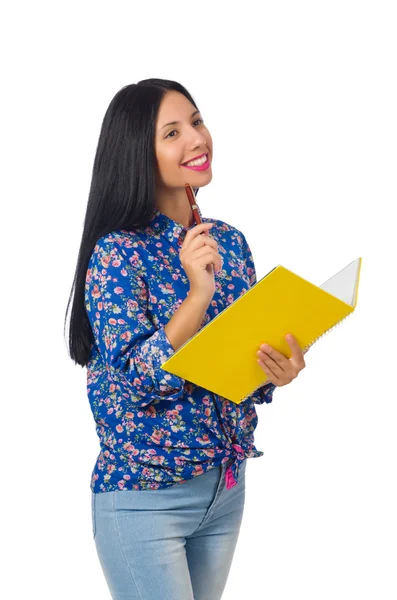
221,357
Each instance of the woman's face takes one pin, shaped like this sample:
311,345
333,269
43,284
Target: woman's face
181,142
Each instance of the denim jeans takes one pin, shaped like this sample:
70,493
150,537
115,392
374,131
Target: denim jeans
175,543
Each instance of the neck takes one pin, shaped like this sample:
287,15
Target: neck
175,205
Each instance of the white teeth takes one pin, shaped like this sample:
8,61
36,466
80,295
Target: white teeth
198,162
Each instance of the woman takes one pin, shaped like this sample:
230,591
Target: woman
168,485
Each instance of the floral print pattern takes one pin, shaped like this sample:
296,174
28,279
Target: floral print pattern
155,429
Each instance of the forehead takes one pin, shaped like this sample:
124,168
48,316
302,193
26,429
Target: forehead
174,107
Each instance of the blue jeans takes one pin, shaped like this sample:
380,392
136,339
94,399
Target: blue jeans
175,543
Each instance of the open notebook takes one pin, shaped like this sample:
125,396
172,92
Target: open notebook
221,357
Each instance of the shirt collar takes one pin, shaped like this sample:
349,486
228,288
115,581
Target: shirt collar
173,231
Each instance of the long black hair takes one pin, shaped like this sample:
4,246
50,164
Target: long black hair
122,191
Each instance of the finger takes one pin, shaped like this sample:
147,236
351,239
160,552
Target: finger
276,356
276,369
199,233
197,229
210,245
297,353
267,370
201,240
207,252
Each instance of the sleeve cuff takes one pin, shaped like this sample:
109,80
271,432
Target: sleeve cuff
264,394
160,350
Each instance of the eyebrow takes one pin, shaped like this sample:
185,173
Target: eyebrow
176,122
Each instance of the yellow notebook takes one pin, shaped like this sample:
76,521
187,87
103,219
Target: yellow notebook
222,358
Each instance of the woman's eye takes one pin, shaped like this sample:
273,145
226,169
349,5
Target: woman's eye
174,130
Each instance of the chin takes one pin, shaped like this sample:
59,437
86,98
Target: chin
202,183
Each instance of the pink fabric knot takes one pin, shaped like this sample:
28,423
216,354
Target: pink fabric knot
230,481
238,448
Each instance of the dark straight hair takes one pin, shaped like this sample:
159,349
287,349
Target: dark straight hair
122,187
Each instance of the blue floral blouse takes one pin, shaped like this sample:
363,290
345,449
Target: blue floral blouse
156,429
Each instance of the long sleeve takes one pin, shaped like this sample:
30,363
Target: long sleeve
264,394
132,348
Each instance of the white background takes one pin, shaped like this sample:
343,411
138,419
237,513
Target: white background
300,99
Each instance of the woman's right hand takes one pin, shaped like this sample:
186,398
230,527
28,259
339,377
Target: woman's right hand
199,255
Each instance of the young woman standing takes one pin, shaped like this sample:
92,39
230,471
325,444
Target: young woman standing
168,485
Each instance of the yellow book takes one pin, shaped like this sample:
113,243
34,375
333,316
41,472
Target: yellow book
222,358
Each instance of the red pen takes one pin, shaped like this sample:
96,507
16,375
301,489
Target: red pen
196,214
193,203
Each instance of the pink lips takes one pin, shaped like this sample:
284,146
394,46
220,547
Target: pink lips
202,167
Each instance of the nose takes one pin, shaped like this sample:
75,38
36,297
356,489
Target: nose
197,139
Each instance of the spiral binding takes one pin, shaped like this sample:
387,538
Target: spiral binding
327,331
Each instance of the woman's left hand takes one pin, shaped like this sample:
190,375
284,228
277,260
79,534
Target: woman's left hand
279,369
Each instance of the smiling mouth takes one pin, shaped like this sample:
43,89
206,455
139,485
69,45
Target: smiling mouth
200,160
201,164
